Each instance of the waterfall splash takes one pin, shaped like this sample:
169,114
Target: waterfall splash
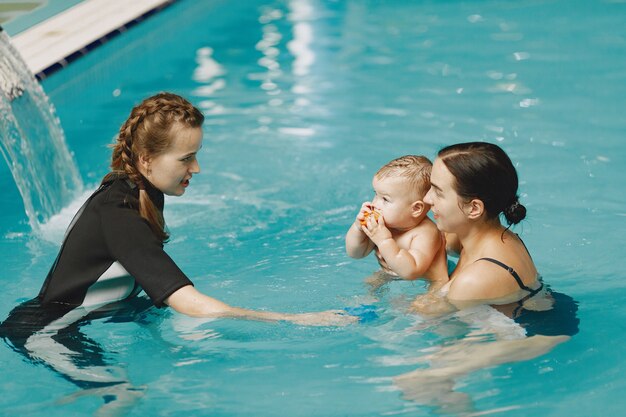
32,141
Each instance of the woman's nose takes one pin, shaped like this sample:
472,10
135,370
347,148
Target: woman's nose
427,197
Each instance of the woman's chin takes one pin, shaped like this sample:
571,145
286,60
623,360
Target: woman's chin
175,193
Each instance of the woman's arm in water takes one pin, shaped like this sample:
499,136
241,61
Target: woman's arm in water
189,301
431,304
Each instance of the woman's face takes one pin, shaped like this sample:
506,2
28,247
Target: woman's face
171,171
444,201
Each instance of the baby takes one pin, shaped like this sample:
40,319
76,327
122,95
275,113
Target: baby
395,224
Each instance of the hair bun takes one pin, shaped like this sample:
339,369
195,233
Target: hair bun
515,212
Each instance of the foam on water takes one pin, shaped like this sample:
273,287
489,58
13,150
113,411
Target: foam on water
54,229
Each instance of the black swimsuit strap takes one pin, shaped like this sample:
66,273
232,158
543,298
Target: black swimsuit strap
515,275
519,281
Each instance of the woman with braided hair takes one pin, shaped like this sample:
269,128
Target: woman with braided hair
113,249
114,246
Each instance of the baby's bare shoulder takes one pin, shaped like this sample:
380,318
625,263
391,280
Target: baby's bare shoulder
427,229
425,235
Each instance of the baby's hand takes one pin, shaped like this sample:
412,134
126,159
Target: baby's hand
367,210
376,229
361,218
367,214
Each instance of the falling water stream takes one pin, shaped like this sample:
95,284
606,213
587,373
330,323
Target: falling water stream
32,140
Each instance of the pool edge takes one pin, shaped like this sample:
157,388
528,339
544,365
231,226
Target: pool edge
54,43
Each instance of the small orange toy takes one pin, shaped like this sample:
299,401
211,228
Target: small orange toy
366,215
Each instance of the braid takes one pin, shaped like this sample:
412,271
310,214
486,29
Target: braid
147,131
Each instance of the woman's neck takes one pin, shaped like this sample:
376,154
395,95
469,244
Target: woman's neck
475,238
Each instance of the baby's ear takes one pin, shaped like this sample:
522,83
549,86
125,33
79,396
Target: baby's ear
417,208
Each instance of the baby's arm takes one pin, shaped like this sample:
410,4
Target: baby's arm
358,245
412,263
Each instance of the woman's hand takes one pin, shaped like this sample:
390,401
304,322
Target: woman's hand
431,304
323,318
187,300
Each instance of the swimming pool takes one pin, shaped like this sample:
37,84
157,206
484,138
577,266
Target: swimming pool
304,101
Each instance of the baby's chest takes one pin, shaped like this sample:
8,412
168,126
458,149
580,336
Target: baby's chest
404,240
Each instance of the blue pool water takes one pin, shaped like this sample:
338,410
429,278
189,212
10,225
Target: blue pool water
304,101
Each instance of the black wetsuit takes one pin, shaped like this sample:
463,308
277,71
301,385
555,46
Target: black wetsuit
109,254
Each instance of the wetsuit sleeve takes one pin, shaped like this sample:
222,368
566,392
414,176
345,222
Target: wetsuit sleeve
133,244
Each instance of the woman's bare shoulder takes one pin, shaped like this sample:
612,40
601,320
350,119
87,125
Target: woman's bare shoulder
512,252
481,280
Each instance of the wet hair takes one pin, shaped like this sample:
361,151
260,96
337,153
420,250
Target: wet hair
416,169
148,131
484,171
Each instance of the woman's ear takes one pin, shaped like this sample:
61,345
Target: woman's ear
144,163
474,209
417,208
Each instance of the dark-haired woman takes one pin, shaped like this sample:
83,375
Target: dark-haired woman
473,186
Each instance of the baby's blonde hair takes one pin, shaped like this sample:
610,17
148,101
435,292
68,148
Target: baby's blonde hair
414,168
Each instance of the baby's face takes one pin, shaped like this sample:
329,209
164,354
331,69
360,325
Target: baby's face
394,198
